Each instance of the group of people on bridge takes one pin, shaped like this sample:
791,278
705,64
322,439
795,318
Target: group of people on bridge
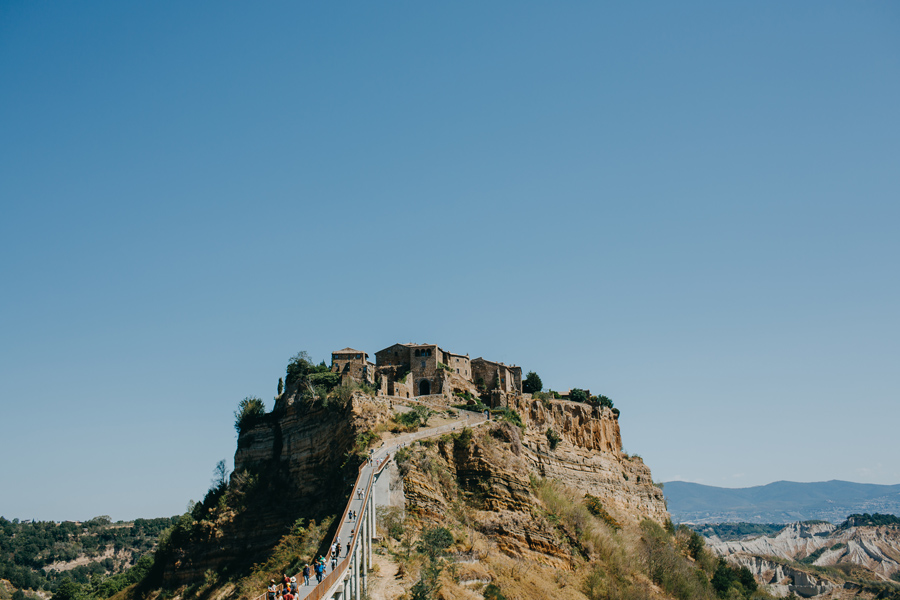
288,590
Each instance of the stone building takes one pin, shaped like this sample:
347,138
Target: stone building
408,370
425,367
353,365
492,375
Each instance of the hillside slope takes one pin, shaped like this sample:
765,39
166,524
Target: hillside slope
541,503
821,559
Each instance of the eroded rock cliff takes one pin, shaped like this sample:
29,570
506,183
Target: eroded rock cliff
294,462
851,561
495,472
589,456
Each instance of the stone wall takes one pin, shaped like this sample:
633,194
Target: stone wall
396,355
460,365
497,376
424,368
402,389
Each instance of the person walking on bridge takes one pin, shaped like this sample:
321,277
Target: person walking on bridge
306,575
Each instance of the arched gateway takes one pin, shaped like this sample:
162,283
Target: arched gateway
424,387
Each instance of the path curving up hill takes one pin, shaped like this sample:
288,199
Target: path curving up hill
344,580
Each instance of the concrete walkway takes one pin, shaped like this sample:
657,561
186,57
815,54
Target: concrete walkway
360,494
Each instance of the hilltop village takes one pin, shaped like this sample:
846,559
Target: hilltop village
416,370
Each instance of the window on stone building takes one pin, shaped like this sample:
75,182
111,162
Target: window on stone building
423,364
417,353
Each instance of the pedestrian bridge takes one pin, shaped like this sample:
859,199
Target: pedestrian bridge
349,578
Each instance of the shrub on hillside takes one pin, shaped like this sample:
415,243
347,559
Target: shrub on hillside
595,506
578,395
249,411
510,415
553,438
327,379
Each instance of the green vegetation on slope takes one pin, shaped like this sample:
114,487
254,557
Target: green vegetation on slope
115,553
605,559
736,531
874,520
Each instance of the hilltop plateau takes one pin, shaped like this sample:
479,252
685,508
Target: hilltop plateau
537,501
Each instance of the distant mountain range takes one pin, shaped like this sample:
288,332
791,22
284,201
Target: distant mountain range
779,502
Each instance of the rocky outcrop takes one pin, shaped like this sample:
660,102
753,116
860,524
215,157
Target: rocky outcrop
305,444
796,540
494,469
872,553
589,456
295,461
781,580
491,471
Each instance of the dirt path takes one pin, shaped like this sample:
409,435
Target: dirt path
385,585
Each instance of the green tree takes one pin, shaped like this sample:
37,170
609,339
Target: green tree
747,581
603,401
248,412
423,413
594,584
68,590
435,542
280,386
578,395
724,578
532,383
695,543
300,366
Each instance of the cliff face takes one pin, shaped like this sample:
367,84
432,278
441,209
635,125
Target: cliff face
493,475
292,463
296,462
494,472
589,457
305,446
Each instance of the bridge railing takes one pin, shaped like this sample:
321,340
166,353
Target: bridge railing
341,569
321,589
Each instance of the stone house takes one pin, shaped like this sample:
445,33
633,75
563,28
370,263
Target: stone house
497,376
424,366
353,365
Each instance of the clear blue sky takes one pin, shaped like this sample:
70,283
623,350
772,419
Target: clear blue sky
692,208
